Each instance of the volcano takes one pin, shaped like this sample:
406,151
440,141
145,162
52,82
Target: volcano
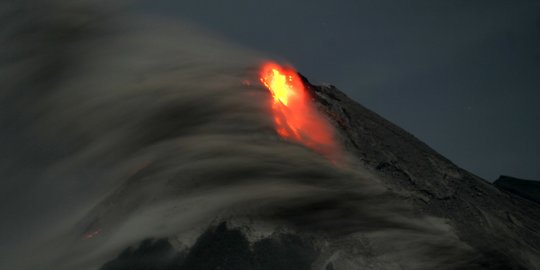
134,143
496,229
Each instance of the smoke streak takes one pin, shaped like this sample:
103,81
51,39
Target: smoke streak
121,128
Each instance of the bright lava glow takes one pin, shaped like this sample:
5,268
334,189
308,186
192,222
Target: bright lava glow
295,117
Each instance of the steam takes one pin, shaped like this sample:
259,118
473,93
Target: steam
148,128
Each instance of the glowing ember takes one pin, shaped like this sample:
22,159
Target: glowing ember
90,235
295,118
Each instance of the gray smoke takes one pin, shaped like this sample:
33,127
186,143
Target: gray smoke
117,128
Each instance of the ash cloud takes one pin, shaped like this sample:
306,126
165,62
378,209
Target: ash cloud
119,128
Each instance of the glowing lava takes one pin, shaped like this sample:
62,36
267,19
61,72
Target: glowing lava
295,118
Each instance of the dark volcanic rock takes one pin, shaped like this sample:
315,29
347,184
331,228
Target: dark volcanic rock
150,254
219,248
528,189
499,226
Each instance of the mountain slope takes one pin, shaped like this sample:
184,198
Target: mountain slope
528,189
486,218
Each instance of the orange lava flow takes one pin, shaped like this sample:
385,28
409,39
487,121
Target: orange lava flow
295,117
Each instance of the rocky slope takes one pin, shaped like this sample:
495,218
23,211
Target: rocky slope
500,225
528,189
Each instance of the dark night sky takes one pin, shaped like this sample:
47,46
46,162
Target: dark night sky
463,76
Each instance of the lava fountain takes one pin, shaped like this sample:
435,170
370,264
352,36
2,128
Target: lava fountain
295,117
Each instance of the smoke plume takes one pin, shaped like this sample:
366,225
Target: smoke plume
119,127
